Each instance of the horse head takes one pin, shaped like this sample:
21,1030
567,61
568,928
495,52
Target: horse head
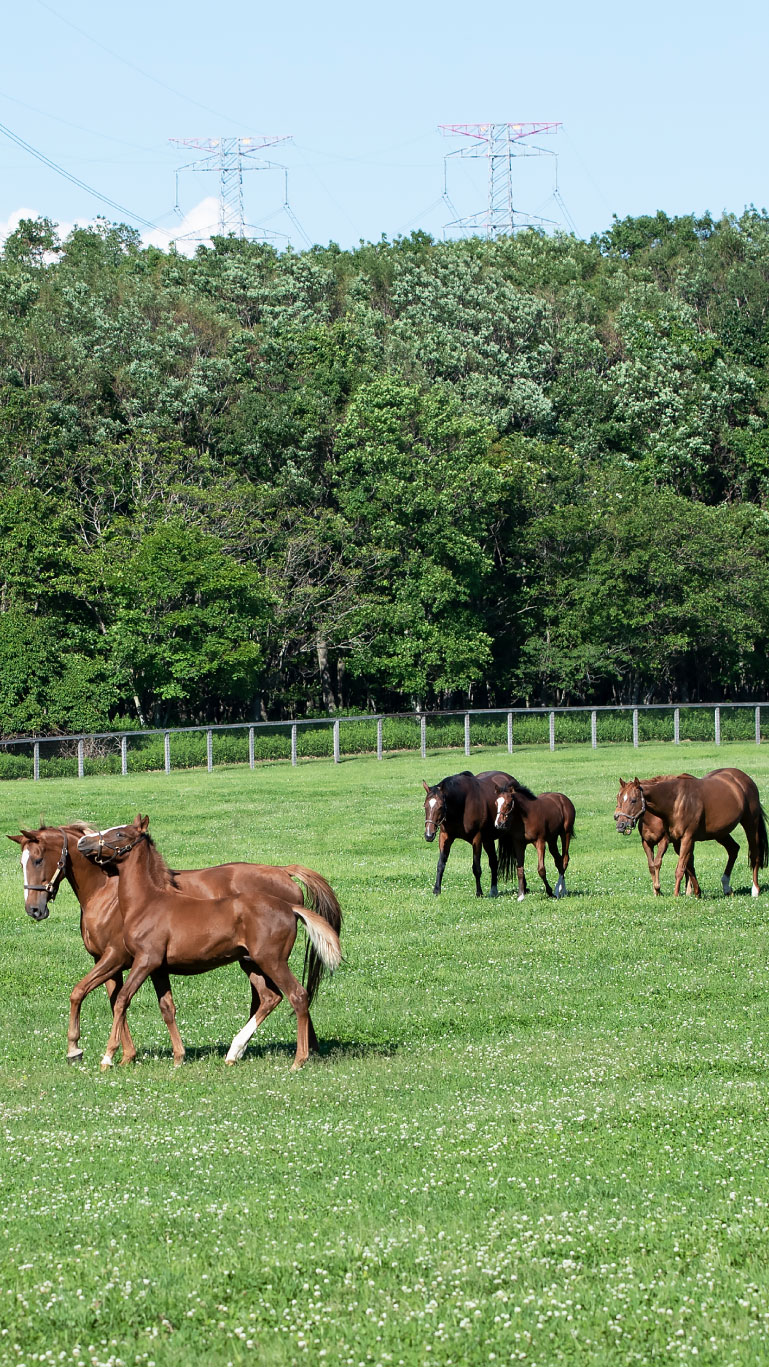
504,802
631,805
44,856
435,809
113,845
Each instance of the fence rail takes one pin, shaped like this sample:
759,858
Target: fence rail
251,742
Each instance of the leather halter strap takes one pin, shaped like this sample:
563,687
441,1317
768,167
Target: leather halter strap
51,885
114,851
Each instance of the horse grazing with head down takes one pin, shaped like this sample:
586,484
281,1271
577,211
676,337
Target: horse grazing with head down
166,928
462,807
51,854
538,821
693,809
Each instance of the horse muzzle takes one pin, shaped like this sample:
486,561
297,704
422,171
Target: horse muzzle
38,913
625,824
430,835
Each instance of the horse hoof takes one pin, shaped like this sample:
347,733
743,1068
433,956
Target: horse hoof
106,1063
76,1057
754,891
178,1062
521,896
230,1062
297,1064
493,892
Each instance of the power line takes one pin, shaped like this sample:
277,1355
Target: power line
74,180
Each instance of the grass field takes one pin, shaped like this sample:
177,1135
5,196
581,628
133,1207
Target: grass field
536,1132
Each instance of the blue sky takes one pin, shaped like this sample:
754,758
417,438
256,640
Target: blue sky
663,107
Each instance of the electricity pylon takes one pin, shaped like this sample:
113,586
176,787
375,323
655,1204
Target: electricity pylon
229,158
499,143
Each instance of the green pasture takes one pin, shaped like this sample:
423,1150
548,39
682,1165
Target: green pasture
537,1132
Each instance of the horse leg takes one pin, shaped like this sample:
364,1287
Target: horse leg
490,846
732,850
540,843
104,970
477,845
284,980
685,865
519,852
162,985
560,887
259,988
445,843
264,1001
654,864
139,972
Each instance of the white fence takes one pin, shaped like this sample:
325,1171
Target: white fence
84,744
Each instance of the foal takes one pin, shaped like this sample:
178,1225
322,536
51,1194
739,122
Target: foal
536,821
165,928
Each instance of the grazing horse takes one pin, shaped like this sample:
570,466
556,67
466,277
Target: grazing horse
694,809
51,854
167,929
536,821
462,807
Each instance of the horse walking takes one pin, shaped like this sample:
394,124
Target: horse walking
462,807
539,821
693,809
51,854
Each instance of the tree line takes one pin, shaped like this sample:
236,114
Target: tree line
414,474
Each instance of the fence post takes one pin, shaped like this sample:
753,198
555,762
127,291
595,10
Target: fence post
467,733
509,733
552,730
336,742
758,726
36,759
635,727
293,744
676,726
423,734
167,750
379,737
251,761
717,724
594,729
209,750
80,759
124,754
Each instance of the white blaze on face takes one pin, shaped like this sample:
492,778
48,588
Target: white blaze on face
500,805
24,862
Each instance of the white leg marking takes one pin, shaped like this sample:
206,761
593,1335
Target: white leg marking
238,1047
560,887
725,884
521,896
107,1061
754,890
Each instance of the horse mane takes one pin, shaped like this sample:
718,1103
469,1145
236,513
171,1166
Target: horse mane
522,789
159,870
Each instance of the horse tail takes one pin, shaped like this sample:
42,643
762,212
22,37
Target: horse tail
506,856
763,839
323,923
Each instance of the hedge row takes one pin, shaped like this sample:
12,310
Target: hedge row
188,750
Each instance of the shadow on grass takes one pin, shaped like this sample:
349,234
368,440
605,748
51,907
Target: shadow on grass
328,1049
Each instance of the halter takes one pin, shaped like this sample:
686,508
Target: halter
635,819
50,886
114,850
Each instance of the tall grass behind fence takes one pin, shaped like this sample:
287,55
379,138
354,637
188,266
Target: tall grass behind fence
337,738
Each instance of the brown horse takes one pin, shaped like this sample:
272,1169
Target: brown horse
165,928
538,821
694,809
654,836
462,807
51,854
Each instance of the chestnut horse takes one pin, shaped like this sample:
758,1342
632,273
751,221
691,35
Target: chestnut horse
50,854
694,809
462,807
167,929
539,821
654,836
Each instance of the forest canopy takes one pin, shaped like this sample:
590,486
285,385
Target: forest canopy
258,484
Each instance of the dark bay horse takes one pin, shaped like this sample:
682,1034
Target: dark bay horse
168,929
538,821
51,854
694,809
462,807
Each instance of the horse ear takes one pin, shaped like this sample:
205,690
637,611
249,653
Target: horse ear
622,783
637,781
144,822
18,838
426,786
